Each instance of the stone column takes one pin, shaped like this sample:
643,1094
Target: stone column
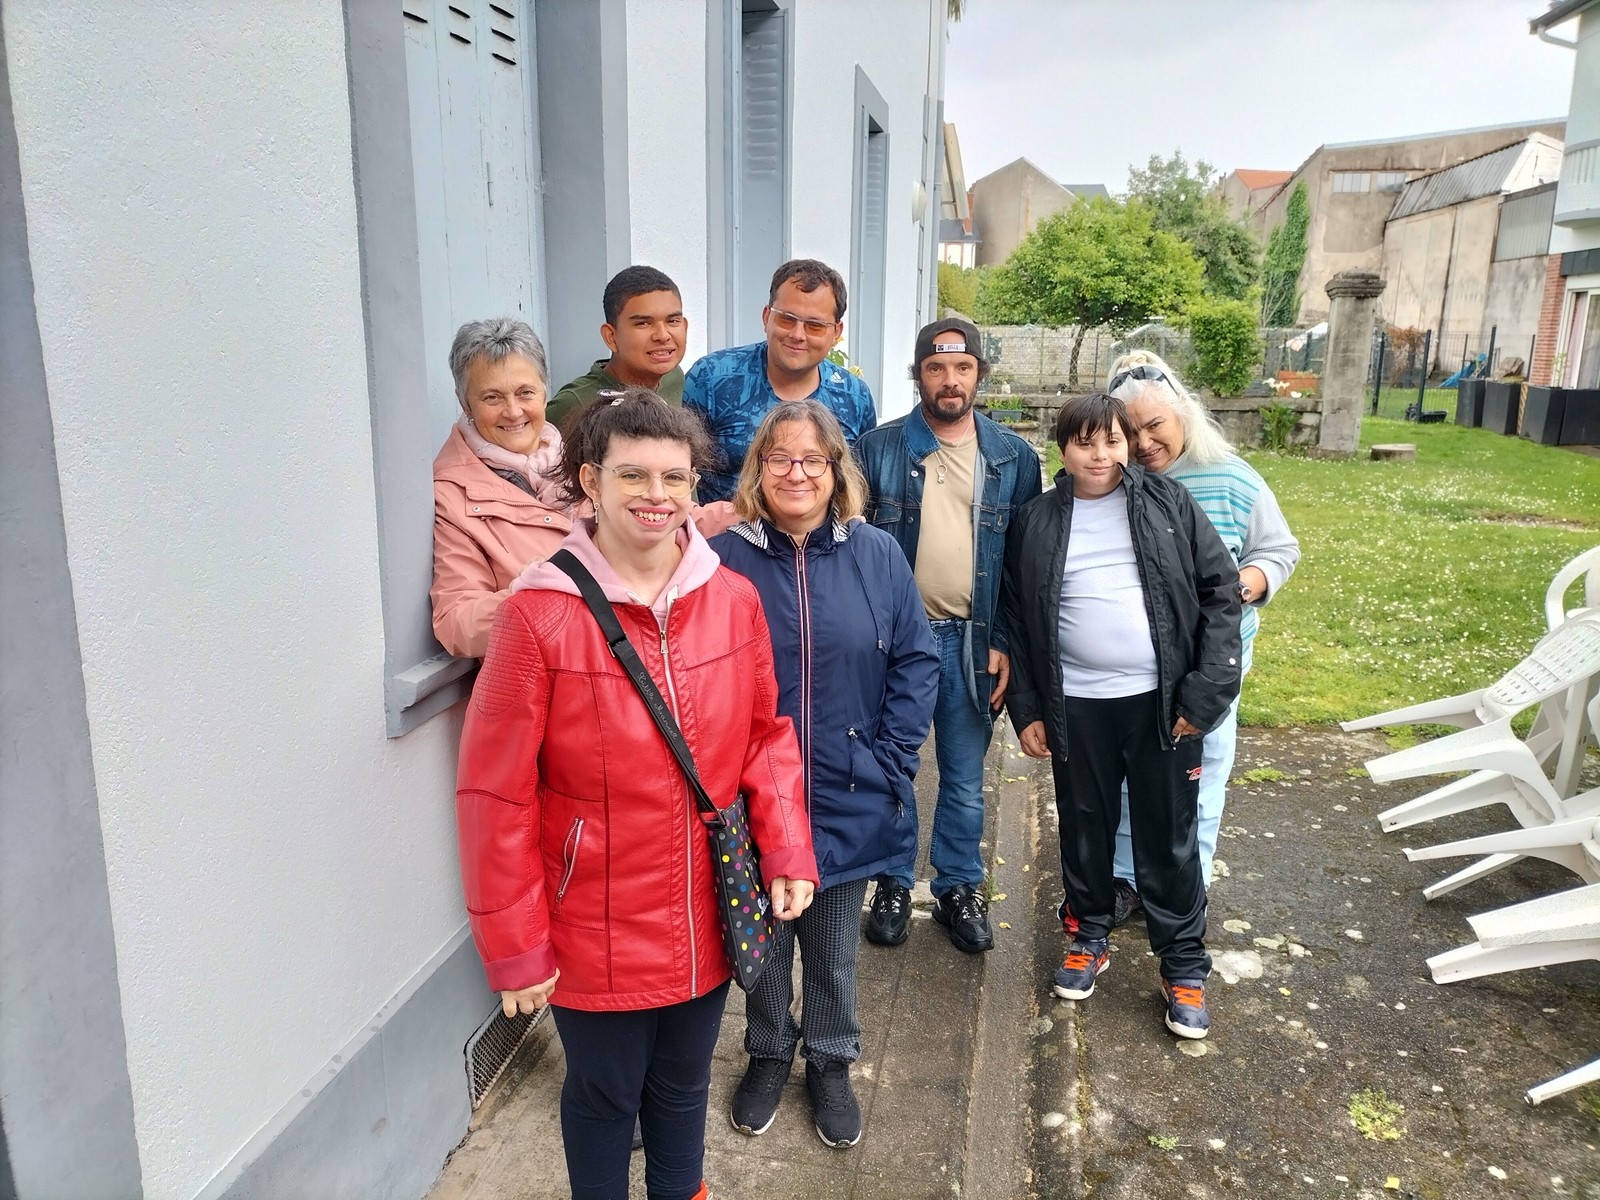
1352,307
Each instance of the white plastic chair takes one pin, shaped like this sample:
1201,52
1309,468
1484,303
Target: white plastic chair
1573,844
1559,928
1586,565
1559,674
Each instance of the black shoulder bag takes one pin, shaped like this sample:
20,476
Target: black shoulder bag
744,906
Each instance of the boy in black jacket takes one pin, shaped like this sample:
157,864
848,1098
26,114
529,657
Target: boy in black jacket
1123,606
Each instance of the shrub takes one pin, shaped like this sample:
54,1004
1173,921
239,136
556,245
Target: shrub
1226,345
1277,424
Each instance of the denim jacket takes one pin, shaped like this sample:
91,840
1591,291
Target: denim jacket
891,456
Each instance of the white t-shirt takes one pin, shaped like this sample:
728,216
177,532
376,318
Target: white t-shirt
1102,627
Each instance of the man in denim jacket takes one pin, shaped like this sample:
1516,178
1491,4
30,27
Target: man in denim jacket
945,482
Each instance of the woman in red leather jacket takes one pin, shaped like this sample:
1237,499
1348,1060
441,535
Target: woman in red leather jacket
586,868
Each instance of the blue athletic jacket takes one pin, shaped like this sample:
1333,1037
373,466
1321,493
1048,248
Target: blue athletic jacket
858,673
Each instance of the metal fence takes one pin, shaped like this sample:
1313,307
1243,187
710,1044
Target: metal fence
1035,359
1411,357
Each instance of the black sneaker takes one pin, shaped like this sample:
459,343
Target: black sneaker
1186,1007
890,919
1125,902
755,1100
1074,978
965,916
833,1103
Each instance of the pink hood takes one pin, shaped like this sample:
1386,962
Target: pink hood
698,564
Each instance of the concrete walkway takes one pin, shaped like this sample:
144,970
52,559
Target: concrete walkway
975,1082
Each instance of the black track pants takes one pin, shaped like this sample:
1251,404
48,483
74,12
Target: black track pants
1109,741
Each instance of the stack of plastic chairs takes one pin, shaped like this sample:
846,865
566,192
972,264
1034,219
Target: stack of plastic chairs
1537,779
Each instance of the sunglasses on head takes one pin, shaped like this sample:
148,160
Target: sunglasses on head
1141,372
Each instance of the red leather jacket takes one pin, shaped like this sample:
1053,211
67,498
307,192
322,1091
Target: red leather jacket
580,846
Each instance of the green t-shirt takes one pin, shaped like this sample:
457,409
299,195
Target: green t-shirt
577,394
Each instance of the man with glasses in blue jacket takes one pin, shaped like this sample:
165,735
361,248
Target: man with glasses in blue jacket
733,389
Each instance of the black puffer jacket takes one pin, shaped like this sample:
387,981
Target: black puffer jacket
1191,595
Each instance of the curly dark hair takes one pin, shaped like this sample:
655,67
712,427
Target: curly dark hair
633,412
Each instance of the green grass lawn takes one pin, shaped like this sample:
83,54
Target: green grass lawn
1417,580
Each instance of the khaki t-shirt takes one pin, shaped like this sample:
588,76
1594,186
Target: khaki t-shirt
944,547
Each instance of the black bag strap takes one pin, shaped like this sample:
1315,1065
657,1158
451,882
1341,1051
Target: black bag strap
622,650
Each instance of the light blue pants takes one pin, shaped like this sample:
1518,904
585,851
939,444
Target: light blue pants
1216,764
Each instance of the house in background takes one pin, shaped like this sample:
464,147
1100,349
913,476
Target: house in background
1513,304
958,238
1244,190
237,240
1568,350
1008,203
1442,241
1351,188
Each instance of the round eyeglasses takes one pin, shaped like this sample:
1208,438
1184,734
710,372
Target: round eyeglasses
635,481
813,465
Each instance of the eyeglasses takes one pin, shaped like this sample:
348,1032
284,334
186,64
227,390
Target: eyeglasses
1141,372
814,465
635,481
786,322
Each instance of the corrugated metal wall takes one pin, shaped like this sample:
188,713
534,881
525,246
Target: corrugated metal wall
1525,224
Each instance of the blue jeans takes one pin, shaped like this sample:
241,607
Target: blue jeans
961,741
1216,764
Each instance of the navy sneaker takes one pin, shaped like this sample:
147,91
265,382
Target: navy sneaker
1074,979
1125,902
834,1108
1186,1007
755,1100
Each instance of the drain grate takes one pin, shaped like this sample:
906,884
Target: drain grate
491,1047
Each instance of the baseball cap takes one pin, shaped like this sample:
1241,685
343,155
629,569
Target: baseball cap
949,336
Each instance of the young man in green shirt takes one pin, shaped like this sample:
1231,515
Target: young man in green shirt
645,330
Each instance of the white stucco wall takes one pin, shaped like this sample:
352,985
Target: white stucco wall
891,40
277,868
667,151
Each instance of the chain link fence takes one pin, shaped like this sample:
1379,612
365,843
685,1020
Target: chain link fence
1034,359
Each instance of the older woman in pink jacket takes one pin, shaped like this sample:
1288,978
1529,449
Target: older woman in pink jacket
496,509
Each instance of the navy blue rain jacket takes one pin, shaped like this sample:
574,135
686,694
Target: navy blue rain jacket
858,673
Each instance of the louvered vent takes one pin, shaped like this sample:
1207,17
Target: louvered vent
489,1050
503,35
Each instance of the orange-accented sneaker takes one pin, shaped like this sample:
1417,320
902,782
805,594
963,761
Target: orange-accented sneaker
1186,1007
1074,979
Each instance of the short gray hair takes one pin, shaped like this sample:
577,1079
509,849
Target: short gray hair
493,340
1204,443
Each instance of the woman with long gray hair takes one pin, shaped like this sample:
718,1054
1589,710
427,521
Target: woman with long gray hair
1174,435
497,507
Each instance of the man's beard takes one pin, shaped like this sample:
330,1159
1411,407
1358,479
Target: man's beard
937,407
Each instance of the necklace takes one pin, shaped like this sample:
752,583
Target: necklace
938,453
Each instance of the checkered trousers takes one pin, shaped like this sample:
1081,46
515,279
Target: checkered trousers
828,932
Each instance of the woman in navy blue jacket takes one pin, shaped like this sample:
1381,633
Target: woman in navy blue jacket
858,674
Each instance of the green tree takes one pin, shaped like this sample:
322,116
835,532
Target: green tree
958,288
1098,263
1186,207
1286,254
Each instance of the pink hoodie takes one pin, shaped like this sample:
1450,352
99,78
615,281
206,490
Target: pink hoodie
698,564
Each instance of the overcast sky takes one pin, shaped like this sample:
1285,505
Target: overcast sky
1084,88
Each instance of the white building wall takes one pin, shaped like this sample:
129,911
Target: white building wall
1580,183
667,153
893,42
277,868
